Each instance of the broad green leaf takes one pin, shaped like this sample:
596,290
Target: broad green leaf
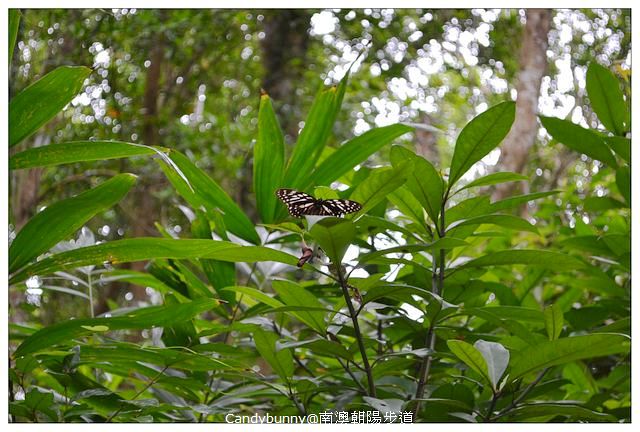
623,181
525,413
256,295
146,248
547,259
205,192
502,220
408,205
158,316
280,361
579,139
355,152
481,135
378,185
268,160
65,217
553,321
334,236
42,100
494,178
77,151
14,24
42,402
293,294
322,347
606,98
468,208
315,133
423,180
443,243
384,405
620,145
470,356
567,350
515,201
496,357
595,203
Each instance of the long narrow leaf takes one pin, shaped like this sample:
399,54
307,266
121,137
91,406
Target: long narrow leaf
606,98
140,249
268,160
42,100
63,218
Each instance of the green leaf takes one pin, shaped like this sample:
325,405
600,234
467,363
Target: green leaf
408,205
334,236
579,139
293,294
443,243
158,316
594,203
468,208
481,135
470,356
567,350
378,185
205,192
63,218
506,221
41,402
547,259
77,151
496,313
620,145
14,24
525,413
623,181
553,321
515,201
42,100
256,295
355,152
423,180
280,361
494,178
322,347
606,98
143,248
315,133
496,357
268,160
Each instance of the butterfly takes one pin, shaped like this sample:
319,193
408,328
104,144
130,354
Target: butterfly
301,204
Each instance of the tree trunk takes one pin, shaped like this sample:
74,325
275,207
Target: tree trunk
533,65
284,47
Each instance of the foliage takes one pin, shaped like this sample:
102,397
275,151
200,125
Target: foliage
431,300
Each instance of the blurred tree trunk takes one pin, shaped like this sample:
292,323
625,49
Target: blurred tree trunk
284,48
533,65
426,141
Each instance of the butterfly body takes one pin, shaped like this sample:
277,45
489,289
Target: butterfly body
301,204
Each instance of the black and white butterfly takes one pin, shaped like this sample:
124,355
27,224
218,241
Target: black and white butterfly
301,204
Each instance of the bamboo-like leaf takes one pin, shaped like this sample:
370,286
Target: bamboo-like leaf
623,181
516,200
526,413
502,220
620,145
606,98
63,218
158,316
77,151
470,356
268,160
42,100
355,152
481,135
293,294
203,191
494,178
14,24
143,248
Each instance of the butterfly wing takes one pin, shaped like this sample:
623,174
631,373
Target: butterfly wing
337,207
298,203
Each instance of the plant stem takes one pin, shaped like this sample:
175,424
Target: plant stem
520,398
149,384
437,283
356,329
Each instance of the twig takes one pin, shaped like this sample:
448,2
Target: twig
356,329
523,395
149,384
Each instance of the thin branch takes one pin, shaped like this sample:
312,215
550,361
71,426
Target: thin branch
522,395
144,389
